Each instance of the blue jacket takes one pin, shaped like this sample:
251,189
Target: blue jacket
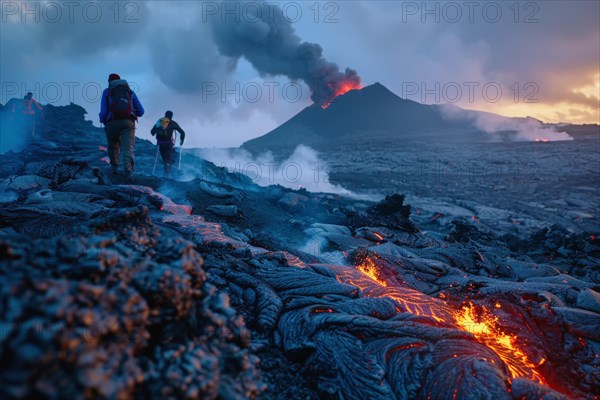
105,114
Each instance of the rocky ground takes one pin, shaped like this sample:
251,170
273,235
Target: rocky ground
214,287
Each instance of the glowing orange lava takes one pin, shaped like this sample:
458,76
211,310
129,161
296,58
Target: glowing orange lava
542,140
477,320
486,328
343,88
177,209
369,268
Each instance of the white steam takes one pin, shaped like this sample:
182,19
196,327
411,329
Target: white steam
303,169
502,129
13,134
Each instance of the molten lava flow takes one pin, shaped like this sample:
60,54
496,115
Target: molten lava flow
371,282
477,320
177,209
341,89
369,268
542,140
486,328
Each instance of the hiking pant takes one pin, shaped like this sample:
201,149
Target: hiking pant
120,133
166,152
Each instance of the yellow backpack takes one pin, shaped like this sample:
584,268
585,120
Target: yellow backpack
162,125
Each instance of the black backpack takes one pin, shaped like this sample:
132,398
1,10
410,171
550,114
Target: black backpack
120,103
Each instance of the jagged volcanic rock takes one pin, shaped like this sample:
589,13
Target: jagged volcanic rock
114,310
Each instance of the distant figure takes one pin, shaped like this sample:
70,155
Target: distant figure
119,111
31,112
163,129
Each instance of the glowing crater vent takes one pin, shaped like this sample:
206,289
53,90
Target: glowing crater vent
340,89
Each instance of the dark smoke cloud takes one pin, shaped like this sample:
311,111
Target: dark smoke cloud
266,38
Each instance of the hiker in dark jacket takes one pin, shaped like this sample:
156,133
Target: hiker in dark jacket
119,111
163,129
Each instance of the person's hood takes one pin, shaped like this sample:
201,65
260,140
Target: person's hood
117,82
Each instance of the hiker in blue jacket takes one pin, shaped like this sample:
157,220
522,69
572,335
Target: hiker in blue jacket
119,111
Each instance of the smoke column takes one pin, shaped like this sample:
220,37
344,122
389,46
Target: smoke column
265,37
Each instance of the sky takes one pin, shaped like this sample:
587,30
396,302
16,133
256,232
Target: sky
525,58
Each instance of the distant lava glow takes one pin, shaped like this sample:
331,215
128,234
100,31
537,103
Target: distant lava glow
475,319
340,89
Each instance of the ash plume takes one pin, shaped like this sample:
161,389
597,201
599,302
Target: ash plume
266,38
